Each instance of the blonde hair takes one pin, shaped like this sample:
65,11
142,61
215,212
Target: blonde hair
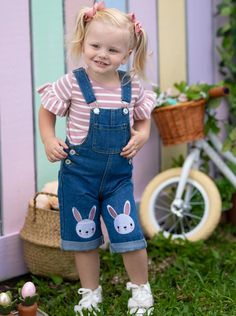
138,41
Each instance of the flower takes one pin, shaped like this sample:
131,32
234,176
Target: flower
27,294
184,92
6,303
182,97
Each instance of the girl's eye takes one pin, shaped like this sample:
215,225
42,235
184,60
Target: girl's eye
113,50
94,45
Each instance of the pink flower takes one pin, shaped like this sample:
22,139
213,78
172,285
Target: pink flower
28,289
169,92
182,97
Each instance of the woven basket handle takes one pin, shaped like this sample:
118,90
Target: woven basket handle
218,92
35,202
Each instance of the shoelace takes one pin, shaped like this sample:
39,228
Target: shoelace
89,301
141,290
139,295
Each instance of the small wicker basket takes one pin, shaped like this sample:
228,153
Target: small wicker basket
41,243
180,123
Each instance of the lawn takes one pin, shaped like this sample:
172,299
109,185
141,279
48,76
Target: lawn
188,279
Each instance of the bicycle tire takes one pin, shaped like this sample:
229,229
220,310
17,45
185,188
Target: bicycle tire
207,194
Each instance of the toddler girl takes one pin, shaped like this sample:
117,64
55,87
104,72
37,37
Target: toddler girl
108,121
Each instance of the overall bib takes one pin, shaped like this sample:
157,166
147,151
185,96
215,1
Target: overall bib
94,180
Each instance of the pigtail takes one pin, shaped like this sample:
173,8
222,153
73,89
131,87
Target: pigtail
140,54
76,44
139,47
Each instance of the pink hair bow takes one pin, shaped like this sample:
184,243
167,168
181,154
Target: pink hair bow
137,24
89,14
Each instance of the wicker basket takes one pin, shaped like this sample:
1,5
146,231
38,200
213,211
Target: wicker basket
180,123
41,243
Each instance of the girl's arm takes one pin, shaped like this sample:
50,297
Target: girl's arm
139,136
53,145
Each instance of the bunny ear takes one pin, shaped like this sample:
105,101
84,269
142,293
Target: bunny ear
92,213
111,211
127,207
76,214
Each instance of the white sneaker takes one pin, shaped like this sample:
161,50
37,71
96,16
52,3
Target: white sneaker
141,302
89,302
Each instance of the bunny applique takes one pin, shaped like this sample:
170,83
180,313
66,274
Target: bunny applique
123,223
85,228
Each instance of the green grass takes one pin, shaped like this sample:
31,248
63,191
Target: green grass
188,279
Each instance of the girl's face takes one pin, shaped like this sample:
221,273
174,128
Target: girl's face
105,48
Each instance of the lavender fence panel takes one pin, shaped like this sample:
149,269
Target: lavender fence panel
147,162
200,37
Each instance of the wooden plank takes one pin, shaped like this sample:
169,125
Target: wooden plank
200,39
172,57
118,4
48,59
147,161
11,259
71,10
17,147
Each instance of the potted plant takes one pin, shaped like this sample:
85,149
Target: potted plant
7,304
28,300
176,109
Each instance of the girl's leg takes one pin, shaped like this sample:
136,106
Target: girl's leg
88,267
136,265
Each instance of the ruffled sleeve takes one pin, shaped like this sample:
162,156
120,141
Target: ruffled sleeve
56,96
145,103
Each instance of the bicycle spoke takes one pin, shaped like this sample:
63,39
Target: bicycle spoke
193,193
196,203
187,223
192,215
182,227
168,196
163,203
158,207
164,217
173,226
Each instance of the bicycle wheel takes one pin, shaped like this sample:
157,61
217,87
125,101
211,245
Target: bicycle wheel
195,220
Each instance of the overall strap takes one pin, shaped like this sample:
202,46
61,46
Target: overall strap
87,89
85,85
125,86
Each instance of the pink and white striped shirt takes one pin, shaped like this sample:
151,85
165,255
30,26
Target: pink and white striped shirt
64,98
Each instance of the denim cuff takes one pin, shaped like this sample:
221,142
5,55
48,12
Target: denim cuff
81,246
128,246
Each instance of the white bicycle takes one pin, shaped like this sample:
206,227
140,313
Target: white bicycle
184,202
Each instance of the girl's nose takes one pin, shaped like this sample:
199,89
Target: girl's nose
102,53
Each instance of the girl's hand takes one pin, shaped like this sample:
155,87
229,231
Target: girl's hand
136,142
54,149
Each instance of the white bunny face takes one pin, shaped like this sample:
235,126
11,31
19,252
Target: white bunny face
85,228
123,223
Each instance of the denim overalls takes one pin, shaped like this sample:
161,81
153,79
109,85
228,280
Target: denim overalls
94,180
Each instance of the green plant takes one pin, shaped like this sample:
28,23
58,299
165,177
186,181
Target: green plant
184,92
227,64
187,279
7,304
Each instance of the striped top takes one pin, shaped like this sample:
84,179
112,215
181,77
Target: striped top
64,98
